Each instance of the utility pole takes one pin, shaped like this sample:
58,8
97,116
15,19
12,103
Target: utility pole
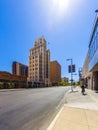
71,73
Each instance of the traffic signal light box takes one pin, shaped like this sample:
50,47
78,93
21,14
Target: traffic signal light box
71,68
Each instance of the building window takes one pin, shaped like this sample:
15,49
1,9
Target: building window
94,42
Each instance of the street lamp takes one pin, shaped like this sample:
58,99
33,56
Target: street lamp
71,72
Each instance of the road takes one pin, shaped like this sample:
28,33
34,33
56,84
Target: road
30,109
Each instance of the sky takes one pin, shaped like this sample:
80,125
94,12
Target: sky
65,24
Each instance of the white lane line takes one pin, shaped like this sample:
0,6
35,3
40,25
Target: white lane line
55,119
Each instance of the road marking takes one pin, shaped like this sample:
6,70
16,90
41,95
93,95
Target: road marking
55,119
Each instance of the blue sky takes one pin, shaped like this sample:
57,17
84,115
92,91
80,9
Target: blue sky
65,24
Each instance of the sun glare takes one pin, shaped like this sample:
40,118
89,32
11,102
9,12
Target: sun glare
55,11
61,5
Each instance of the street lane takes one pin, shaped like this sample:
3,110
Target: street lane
29,109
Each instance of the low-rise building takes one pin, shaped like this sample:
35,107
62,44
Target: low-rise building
55,73
65,79
8,80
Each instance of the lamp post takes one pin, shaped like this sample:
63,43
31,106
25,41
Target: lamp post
71,72
80,73
74,74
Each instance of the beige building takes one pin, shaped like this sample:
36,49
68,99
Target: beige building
64,79
39,64
55,73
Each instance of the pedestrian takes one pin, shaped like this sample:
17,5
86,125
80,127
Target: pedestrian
83,87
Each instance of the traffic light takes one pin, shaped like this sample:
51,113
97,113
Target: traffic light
71,68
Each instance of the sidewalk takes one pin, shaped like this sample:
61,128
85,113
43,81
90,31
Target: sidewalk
78,113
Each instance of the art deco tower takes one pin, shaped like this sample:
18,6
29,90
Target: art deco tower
39,64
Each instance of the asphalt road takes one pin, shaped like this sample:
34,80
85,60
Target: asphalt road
30,109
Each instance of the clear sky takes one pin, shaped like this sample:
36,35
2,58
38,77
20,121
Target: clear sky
65,24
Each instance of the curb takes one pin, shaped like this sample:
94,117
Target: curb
55,119
7,90
59,112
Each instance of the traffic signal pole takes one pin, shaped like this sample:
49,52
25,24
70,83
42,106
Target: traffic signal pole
71,73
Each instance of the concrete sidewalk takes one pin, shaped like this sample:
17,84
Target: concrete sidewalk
78,113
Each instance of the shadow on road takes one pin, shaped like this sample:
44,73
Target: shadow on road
96,91
73,91
84,94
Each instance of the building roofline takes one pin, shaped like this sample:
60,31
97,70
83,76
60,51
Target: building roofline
20,63
94,25
5,72
55,61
